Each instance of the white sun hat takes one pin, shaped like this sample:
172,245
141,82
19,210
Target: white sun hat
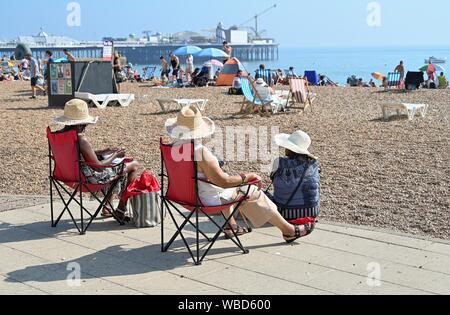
190,125
298,142
76,112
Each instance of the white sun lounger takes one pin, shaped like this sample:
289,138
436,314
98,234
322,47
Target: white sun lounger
410,109
103,100
165,103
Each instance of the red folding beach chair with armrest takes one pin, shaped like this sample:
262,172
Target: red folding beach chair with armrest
66,177
182,190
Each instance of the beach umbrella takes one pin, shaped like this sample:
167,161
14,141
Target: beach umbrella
212,53
216,63
438,68
378,76
187,50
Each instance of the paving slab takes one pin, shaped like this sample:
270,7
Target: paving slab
110,259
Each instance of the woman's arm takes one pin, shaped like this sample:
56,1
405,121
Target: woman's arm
90,155
209,166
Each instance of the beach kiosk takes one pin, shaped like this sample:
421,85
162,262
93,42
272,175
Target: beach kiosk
66,79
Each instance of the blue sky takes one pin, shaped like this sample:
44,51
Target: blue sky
294,23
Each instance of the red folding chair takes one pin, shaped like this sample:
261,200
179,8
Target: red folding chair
66,177
182,191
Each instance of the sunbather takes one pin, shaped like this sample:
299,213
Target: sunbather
267,94
76,117
219,186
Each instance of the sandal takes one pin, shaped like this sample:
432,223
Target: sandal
120,215
230,232
309,228
107,213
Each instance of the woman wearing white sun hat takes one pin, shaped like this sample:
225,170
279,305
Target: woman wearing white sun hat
76,117
296,178
259,209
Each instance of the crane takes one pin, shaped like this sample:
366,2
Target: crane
256,30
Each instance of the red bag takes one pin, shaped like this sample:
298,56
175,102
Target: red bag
303,221
145,185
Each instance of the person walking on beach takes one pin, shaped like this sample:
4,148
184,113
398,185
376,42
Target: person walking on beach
401,69
189,67
165,69
175,61
34,75
431,71
48,61
117,66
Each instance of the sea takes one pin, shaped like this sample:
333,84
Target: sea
340,63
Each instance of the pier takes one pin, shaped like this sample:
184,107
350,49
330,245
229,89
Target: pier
150,54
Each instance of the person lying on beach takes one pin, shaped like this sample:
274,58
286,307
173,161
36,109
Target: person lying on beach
78,108
216,187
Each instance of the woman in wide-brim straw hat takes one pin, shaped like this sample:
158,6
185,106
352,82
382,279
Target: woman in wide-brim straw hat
76,117
296,178
259,209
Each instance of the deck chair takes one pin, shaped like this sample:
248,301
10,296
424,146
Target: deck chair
182,196
67,179
394,80
266,75
253,103
149,72
313,77
102,101
299,93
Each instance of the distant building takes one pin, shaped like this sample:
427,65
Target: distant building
42,39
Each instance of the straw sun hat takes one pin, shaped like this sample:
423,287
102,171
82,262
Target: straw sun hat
190,125
76,112
298,142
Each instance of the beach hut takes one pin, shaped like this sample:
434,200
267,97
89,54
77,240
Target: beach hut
229,72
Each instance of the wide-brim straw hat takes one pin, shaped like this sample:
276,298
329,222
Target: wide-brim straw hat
76,112
190,125
298,142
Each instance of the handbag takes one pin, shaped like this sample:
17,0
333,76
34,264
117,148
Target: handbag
146,210
144,197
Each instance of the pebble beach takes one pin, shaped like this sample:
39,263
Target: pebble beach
387,174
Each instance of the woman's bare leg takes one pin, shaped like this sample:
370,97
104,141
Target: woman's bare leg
131,170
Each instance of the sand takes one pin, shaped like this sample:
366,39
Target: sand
394,175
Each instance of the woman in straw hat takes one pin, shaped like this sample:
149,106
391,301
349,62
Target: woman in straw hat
296,178
76,117
259,209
